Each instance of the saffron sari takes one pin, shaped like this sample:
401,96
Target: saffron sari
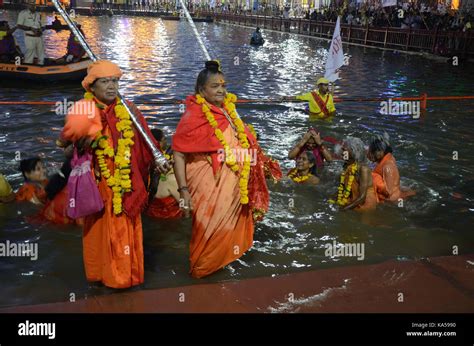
222,227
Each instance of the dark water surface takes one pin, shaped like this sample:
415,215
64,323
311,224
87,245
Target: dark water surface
160,60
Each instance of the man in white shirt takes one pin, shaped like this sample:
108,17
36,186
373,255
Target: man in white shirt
30,21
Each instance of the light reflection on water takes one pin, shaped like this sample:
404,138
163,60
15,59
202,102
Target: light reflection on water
161,60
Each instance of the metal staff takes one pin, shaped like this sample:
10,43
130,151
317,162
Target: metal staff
160,160
193,26
198,37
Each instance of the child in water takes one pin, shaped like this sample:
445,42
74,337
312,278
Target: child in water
34,173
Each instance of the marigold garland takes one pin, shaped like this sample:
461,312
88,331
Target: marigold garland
293,175
229,107
119,181
344,190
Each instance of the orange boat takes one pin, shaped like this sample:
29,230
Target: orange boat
47,73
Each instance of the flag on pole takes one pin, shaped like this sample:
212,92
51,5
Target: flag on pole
335,56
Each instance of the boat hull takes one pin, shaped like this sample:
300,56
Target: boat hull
53,73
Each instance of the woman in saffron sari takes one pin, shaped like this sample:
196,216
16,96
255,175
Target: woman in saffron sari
385,175
112,237
224,192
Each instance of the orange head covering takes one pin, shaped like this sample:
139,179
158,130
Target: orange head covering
100,69
83,119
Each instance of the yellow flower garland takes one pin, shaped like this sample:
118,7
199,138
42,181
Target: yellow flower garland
293,175
344,190
120,181
229,106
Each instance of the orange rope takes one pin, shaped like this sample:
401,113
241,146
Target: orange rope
423,98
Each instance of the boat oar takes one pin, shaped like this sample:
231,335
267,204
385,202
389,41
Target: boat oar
160,161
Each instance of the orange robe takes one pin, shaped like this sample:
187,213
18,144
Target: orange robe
164,208
222,228
386,179
30,190
113,244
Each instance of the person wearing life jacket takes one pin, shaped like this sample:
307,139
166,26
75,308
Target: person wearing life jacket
8,47
321,103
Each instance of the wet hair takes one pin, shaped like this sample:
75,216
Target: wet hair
380,143
28,165
58,181
212,67
158,134
312,160
357,147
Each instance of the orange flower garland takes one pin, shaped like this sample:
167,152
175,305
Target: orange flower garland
229,106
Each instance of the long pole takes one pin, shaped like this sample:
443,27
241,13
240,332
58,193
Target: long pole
160,160
196,34
198,37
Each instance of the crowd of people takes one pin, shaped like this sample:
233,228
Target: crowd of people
219,175
404,16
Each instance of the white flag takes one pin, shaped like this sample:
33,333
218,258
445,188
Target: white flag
335,56
386,3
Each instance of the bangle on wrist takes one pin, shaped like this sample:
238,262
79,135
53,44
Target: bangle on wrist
184,188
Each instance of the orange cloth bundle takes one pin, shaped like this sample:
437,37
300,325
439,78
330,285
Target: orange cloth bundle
83,120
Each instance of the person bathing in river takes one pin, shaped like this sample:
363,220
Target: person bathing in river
355,190
163,190
321,103
257,37
312,141
305,170
385,175
56,207
217,182
34,173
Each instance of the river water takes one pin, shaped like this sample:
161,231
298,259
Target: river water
161,60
